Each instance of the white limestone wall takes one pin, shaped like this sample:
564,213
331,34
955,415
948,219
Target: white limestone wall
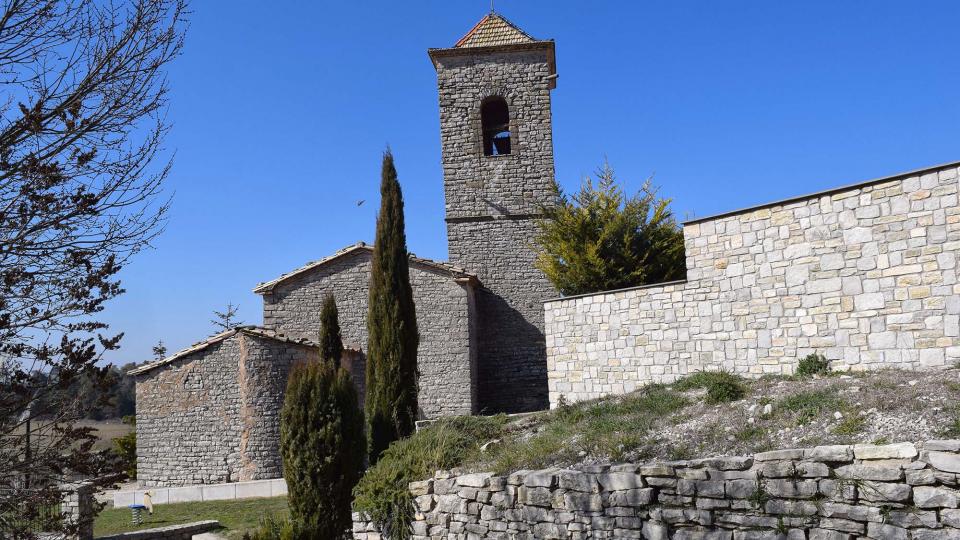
866,275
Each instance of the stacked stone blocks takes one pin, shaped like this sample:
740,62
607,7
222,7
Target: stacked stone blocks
896,491
213,416
865,275
446,319
492,203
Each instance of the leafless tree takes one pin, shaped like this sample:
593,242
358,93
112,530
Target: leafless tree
82,120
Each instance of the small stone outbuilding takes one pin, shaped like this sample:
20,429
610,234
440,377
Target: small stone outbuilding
210,413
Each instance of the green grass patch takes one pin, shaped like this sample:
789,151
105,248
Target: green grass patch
614,429
721,386
236,517
382,492
852,424
811,404
750,433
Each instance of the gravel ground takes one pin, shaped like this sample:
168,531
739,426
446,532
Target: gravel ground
875,407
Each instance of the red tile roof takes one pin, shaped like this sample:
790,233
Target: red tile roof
493,30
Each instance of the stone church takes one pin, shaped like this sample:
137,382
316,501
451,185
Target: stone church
210,413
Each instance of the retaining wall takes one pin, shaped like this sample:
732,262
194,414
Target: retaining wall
866,275
172,532
203,492
896,491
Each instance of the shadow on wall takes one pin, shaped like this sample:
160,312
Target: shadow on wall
512,367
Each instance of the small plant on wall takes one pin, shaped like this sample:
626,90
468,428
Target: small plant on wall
813,364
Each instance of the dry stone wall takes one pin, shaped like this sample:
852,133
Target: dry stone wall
213,416
445,306
896,491
866,275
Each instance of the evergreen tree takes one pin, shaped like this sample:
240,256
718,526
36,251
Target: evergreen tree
225,320
391,400
331,342
159,350
600,239
321,442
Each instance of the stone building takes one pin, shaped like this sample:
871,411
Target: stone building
210,413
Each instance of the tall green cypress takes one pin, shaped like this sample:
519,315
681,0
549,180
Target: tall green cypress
331,342
321,442
391,400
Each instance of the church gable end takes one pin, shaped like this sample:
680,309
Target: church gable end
220,401
446,314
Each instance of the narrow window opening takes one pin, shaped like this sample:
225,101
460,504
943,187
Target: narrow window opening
495,122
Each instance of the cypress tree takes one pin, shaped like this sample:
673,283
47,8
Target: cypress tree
331,342
322,445
391,398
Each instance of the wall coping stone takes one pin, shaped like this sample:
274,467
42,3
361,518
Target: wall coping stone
823,193
170,531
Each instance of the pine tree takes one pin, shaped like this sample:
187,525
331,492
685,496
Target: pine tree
224,320
331,342
600,239
160,350
321,442
391,400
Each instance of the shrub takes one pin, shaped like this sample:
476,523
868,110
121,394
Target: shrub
382,493
851,424
391,395
321,442
125,448
272,528
331,342
601,239
813,364
808,405
721,386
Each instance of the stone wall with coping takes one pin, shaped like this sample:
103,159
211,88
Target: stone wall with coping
213,415
445,306
79,509
896,491
866,275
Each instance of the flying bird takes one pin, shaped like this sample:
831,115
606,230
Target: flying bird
361,201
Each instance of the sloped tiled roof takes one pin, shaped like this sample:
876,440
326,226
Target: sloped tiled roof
493,30
454,271
217,338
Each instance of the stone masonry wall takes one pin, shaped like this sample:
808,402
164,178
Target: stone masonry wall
213,416
447,354
264,371
866,275
515,184
188,419
491,205
513,369
894,491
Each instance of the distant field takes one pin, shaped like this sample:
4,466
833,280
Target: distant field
106,431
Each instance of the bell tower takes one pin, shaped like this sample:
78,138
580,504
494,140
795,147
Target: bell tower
497,146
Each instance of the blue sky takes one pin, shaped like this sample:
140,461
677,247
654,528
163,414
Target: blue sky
280,117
